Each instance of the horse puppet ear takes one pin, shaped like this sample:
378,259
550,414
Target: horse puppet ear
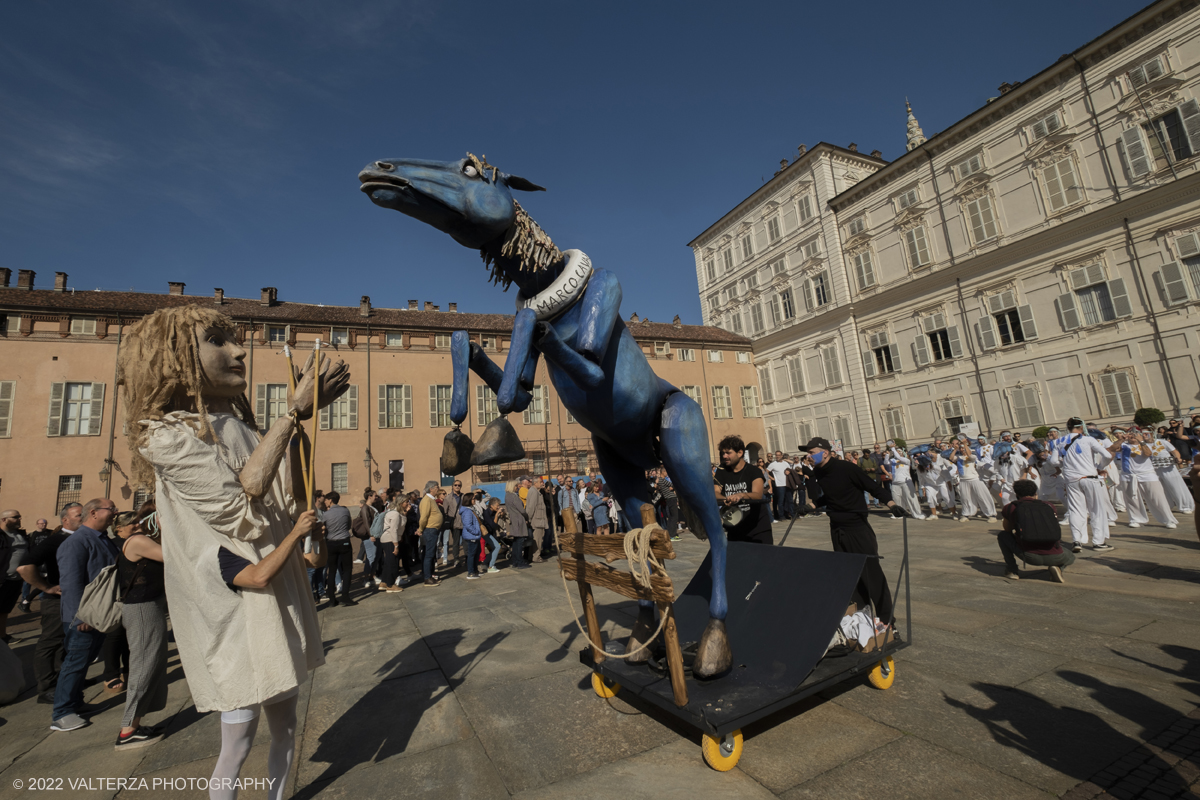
520,184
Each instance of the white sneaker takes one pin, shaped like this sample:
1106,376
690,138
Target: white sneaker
991,519
1135,525
1064,522
358,561
1172,525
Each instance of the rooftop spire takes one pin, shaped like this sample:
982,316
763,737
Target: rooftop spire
916,136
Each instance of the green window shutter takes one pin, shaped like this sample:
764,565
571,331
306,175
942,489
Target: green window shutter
921,349
1028,326
1189,112
955,341
1137,152
1068,311
433,415
988,338
54,422
353,395
97,409
260,405
7,390
1174,283
1120,298
383,415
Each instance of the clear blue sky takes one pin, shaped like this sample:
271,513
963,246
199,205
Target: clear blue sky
217,143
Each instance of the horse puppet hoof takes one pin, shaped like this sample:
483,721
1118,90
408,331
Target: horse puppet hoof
456,453
713,657
499,444
643,629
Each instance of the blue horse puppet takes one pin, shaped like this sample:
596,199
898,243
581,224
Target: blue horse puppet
569,312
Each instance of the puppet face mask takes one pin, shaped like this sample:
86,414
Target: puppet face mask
222,362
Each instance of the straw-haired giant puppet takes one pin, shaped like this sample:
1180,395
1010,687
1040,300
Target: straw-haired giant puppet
568,312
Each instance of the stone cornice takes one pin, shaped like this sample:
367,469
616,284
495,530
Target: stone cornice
916,291
1099,49
768,189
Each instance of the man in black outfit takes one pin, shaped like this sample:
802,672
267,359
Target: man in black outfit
843,485
739,484
341,551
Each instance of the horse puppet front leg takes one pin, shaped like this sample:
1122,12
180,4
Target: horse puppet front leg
499,443
683,443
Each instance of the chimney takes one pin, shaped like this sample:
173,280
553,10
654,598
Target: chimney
25,278
853,148
802,149
364,306
219,296
412,305
454,307
60,281
5,276
269,295
429,305
1006,87
877,154
175,287
633,317
677,322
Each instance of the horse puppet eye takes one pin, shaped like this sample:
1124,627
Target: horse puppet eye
470,171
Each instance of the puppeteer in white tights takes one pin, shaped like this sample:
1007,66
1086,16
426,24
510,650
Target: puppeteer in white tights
238,728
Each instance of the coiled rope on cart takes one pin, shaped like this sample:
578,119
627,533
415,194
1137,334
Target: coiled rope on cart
642,562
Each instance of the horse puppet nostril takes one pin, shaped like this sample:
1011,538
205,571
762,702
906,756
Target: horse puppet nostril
385,165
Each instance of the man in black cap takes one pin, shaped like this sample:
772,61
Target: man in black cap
843,485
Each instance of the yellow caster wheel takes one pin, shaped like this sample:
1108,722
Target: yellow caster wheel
722,752
884,673
603,688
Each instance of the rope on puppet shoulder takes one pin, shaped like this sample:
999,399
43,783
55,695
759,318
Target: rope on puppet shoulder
642,562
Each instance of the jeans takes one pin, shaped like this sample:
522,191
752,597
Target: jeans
316,579
367,554
1010,549
338,566
518,550
48,655
449,543
472,555
671,512
391,565
81,648
430,539
494,543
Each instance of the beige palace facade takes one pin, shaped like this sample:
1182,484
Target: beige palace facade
1038,259
62,422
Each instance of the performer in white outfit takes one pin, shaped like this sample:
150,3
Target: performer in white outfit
934,488
1167,463
1011,468
241,607
1078,455
986,465
903,491
1139,482
976,499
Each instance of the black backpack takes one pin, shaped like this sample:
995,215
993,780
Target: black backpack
1036,522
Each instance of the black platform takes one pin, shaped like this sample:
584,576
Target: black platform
784,606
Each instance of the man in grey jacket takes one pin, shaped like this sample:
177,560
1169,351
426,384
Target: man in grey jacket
450,509
539,518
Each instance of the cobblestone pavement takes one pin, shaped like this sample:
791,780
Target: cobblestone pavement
1011,688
